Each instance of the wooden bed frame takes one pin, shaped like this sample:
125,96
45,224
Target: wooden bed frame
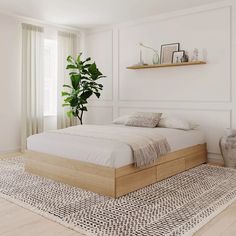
110,181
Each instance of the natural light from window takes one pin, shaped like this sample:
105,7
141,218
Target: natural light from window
50,77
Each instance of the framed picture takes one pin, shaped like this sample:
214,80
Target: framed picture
167,52
178,56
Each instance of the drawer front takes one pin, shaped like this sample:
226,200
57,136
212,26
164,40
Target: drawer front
129,183
171,168
195,160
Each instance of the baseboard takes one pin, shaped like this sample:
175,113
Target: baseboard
8,151
215,158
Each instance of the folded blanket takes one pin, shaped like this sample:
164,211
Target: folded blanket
147,145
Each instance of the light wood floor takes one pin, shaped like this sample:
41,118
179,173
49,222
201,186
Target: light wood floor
17,221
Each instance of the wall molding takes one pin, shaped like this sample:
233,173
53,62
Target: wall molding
91,33
222,109
176,109
24,19
207,8
101,105
98,30
176,14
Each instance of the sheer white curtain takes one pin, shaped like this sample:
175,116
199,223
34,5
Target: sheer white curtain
67,46
32,81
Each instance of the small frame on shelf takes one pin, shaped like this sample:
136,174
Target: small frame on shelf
178,56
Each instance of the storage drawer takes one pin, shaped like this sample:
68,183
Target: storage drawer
170,168
132,182
195,160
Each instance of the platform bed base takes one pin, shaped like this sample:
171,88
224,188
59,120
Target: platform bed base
110,181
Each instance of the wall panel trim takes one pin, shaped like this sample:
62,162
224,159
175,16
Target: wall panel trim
203,9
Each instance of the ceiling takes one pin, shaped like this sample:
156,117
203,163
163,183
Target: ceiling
91,13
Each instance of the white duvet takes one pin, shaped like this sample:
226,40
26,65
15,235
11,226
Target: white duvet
103,151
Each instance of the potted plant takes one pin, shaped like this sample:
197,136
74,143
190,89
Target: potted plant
84,77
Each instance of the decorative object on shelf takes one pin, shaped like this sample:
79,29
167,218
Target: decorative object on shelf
185,57
204,54
141,57
228,148
167,52
178,56
139,67
195,55
141,62
156,58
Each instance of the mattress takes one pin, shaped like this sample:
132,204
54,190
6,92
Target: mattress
103,151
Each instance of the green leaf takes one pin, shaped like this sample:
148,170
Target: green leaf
87,65
75,80
101,76
76,92
84,71
66,105
67,86
92,69
86,95
65,94
79,58
86,60
75,113
70,113
82,102
68,99
74,102
84,109
71,67
73,73
97,95
70,60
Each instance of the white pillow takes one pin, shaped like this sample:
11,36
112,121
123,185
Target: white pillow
176,123
121,120
144,119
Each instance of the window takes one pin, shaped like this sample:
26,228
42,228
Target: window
50,77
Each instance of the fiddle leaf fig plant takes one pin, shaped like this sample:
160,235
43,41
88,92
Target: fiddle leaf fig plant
84,77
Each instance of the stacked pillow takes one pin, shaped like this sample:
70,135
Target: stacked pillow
153,119
144,119
176,123
139,119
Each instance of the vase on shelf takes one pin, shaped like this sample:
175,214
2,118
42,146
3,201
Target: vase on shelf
156,58
228,148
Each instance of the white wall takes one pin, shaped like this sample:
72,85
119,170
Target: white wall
205,93
10,87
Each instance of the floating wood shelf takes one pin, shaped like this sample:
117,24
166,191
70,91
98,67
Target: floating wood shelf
166,65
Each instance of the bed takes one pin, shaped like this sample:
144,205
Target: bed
106,166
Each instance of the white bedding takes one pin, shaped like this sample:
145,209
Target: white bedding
102,151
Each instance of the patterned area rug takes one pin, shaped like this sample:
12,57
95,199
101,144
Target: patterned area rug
176,206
